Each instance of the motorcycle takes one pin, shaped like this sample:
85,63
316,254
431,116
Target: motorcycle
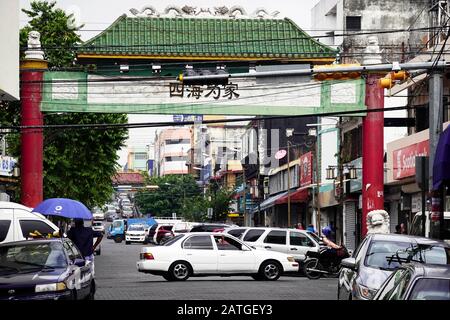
326,262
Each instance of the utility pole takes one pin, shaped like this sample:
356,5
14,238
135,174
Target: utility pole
289,184
316,156
436,121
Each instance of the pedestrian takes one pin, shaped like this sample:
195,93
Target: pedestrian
330,231
83,238
403,228
299,226
398,229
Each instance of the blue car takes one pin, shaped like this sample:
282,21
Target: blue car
47,269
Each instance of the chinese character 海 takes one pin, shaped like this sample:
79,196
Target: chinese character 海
194,91
176,89
230,91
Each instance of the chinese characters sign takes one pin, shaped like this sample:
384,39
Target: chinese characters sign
7,165
306,169
404,159
228,91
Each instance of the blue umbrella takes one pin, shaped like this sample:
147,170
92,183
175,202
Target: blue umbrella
63,207
441,165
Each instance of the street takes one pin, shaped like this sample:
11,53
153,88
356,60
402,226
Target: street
118,279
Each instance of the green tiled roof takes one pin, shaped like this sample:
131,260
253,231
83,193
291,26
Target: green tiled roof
259,39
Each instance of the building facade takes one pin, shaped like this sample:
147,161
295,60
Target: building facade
171,151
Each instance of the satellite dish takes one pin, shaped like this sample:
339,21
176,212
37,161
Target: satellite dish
280,154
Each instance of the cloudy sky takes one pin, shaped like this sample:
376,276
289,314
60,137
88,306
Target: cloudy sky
96,15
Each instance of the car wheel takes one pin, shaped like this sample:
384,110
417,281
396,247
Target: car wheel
312,264
270,270
167,277
118,239
179,271
127,242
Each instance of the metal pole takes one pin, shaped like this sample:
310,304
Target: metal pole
317,183
304,72
289,184
436,112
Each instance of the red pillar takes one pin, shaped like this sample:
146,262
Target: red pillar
31,161
373,151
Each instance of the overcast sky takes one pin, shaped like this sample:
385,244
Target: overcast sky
99,14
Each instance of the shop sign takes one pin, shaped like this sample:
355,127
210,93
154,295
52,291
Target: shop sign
306,169
416,202
7,165
404,159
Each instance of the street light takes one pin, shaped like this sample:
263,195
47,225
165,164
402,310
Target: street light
289,133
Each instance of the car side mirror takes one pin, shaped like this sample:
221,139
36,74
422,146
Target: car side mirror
349,263
79,262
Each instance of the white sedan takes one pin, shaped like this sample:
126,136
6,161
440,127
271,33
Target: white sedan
207,253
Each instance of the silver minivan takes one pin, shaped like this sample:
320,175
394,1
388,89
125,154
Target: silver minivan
290,241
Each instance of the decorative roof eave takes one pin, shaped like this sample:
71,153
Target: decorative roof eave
201,58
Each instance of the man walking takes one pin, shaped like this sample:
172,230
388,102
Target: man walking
83,238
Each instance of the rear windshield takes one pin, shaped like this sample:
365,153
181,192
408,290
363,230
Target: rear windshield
173,240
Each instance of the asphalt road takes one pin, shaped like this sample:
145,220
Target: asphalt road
118,279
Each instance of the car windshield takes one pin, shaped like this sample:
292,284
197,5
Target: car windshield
314,236
173,240
117,224
32,256
431,289
389,255
136,228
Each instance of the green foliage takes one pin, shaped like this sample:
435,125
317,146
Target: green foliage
220,200
78,163
174,193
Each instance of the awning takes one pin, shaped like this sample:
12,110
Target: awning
441,165
298,196
269,202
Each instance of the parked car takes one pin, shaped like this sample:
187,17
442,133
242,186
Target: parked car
135,233
379,255
289,241
417,281
208,227
17,221
111,216
159,233
201,254
98,226
49,269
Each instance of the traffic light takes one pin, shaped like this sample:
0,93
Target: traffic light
392,77
323,76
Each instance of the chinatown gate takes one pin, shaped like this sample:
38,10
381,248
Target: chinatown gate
134,63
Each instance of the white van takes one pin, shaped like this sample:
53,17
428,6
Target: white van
416,227
17,221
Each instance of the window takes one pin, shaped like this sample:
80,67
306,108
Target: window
381,254
178,141
390,284
140,156
175,158
198,242
276,237
4,228
399,291
75,250
69,250
299,239
353,23
173,240
253,235
226,243
236,232
28,226
431,289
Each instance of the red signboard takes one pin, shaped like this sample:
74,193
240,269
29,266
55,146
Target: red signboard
306,169
404,159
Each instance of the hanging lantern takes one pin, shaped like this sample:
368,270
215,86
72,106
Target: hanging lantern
330,173
353,174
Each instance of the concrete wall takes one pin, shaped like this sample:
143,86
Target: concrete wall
9,50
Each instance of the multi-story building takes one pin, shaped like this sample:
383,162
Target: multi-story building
137,159
171,151
346,25
9,87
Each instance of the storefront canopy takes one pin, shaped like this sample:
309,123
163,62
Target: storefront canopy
269,202
300,195
441,165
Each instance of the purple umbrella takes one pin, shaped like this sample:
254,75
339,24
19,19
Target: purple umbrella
441,165
63,207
